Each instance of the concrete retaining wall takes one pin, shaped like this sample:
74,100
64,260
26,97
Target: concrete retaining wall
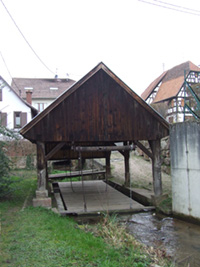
185,168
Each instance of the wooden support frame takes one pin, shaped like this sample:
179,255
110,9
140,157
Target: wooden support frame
144,149
54,150
103,148
127,168
156,166
108,167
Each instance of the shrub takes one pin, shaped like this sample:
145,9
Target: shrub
5,162
4,171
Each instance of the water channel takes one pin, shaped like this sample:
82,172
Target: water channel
179,239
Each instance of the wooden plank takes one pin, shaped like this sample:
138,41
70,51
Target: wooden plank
76,174
99,196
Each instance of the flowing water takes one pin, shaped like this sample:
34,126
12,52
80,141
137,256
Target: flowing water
179,239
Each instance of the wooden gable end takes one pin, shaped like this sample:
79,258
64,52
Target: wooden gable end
100,110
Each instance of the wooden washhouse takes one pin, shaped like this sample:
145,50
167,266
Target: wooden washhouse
95,116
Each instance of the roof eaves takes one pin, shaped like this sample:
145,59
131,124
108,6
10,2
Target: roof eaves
149,90
58,100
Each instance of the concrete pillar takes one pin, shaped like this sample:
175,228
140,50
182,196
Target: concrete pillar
185,169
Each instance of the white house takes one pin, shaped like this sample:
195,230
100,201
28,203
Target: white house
14,111
38,92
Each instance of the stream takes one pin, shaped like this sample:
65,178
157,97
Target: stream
179,239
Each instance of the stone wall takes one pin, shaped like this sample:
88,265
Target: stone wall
22,153
165,153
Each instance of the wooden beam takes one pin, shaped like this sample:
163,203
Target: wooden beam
127,168
54,150
156,166
103,148
144,149
108,168
75,174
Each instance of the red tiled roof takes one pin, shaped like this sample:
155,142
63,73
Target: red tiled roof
41,87
169,89
152,86
172,81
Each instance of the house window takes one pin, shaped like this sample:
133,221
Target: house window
3,119
20,119
40,107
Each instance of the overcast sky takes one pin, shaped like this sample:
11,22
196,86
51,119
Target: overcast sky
136,40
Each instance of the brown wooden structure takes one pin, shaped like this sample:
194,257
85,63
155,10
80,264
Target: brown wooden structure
89,120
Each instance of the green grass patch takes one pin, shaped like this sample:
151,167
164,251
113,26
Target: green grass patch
39,237
165,206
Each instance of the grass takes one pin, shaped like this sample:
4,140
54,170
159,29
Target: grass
166,205
72,179
39,237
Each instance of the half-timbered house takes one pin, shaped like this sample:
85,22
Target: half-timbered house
175,92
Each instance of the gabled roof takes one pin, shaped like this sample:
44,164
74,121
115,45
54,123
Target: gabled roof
171,82
42,88
152,86
33,110
98,108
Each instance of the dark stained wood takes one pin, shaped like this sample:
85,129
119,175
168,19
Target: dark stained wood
100,108
67,152
144,149
54,150
104,148
75,174
97,111
127,168
108,167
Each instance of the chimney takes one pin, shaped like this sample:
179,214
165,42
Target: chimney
29,96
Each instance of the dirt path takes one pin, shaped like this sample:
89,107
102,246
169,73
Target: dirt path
140,171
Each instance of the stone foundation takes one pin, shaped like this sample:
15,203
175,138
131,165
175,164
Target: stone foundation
42,202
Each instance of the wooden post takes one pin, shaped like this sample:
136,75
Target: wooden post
156,166
41,192
127,168
108,168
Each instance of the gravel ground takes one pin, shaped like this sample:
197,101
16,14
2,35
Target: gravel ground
140,172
